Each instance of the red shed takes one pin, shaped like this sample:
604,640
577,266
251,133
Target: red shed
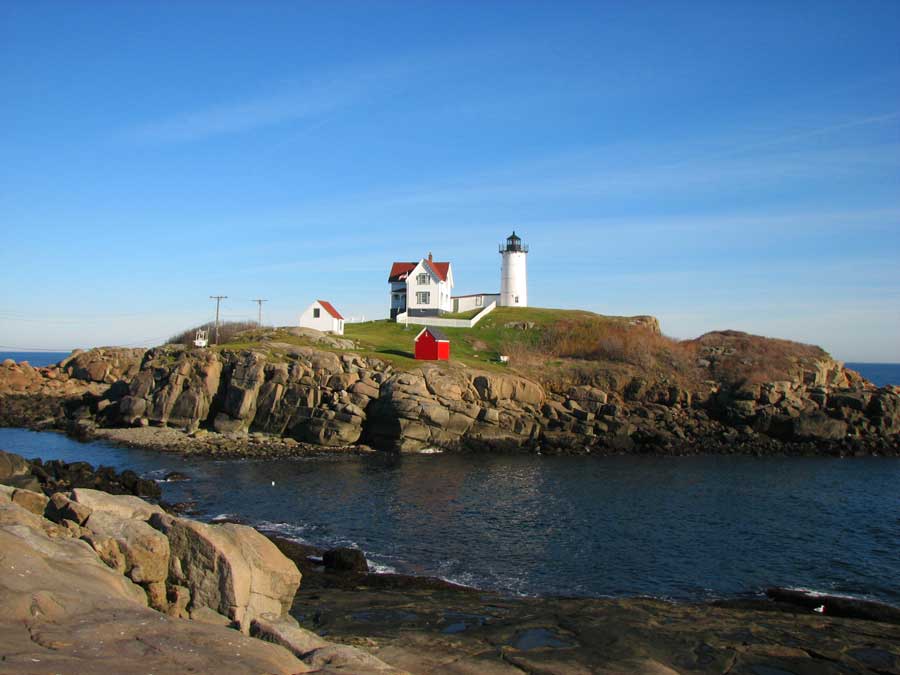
432,345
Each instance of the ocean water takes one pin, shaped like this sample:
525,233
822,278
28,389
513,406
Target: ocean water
36,359
688,528
880,373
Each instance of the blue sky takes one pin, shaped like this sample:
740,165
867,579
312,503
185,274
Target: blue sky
718,165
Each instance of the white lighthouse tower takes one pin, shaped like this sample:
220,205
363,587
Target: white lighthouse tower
513,273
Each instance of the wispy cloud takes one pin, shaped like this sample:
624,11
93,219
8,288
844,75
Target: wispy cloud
827,130
316,97
308,100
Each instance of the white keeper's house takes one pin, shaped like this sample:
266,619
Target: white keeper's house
423,288
322,316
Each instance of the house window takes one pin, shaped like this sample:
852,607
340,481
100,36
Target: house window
316,312
423,279
479,301
423,297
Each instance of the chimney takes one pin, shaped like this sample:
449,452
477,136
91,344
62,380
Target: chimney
430,259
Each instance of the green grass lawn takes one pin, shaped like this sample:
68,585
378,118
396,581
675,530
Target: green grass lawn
479,346
468,314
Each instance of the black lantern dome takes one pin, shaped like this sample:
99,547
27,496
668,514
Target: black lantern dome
513,244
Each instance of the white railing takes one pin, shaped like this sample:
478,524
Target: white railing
446,323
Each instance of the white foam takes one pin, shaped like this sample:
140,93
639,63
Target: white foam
290,531
381,568
430,451
813,593
223,516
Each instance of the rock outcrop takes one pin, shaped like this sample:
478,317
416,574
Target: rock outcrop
231,569
62,610
95,583
305,395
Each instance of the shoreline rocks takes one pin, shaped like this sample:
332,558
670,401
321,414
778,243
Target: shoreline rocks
301,400
92,582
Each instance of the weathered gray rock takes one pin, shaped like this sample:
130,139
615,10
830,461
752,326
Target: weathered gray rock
13,514
342,658
123,507
12,466
232,569
345,559
72,614
146,550
818,426
104,364
61,508
36,502
288,634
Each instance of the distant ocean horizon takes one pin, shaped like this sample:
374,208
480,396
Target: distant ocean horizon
36,359
881,374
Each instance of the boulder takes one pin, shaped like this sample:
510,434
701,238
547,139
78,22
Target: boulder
124,507
61,508
232,569
818,427
329,432
12,466
14,515
146,550
345,559
342,658
286,633
107,550
36,502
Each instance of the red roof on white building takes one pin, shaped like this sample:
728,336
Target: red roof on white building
400,270
328,307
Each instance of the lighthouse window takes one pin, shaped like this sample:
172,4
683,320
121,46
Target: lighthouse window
517,299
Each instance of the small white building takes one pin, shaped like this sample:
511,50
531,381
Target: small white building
421,288
322,316
466,303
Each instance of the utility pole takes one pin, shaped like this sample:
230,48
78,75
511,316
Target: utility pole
259,302
218,299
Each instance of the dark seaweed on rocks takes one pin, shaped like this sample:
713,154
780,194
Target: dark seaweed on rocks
58,476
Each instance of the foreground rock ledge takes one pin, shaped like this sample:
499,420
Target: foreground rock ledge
78,596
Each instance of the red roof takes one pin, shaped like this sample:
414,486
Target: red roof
401,270
330,309
438,335
440,268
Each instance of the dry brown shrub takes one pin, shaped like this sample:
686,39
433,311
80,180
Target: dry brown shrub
227,331
741,357
599,340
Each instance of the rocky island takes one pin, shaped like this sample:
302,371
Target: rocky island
572,382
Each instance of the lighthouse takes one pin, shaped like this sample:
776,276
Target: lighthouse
513,273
